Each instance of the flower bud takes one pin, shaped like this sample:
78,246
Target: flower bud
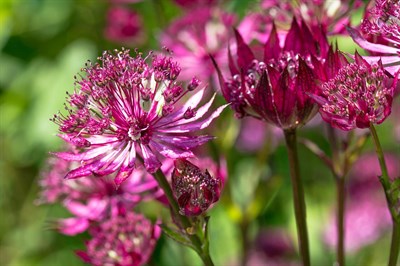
194,190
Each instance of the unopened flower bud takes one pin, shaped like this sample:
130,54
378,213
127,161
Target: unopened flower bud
194,190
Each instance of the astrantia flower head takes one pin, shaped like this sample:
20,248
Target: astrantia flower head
194,189
126,111
380,33
274,88
384,20
125,240
360,94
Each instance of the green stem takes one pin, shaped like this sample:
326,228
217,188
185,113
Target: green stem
184,221
341,198
385,181
395,244
298,195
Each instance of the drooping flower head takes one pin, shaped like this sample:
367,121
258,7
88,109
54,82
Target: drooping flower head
195,190
196,35
274,87
93,199
127,239
123,25
126,111
358,95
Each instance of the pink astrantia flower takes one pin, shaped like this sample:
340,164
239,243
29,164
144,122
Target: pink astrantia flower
358,95
123,25
92,199
127,239
380,33
274,87
194,189
195,36
126,111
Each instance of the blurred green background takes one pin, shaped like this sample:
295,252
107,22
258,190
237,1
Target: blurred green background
43,44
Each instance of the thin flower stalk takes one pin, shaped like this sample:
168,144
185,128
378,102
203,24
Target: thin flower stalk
387,184
298,195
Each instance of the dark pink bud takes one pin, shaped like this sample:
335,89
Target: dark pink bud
193,84
189,113
194,190
80,142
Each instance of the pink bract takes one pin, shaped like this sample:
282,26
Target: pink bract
126,112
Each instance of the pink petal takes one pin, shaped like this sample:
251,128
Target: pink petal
245,55
93,210
199,114
170,151
195,126
73,226
373,47
151,162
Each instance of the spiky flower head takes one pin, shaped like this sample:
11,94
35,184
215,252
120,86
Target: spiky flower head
360,94
274,87
126,111
126,239
194,189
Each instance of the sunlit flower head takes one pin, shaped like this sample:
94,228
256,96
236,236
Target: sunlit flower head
358,95
126,112
127,239
273,88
